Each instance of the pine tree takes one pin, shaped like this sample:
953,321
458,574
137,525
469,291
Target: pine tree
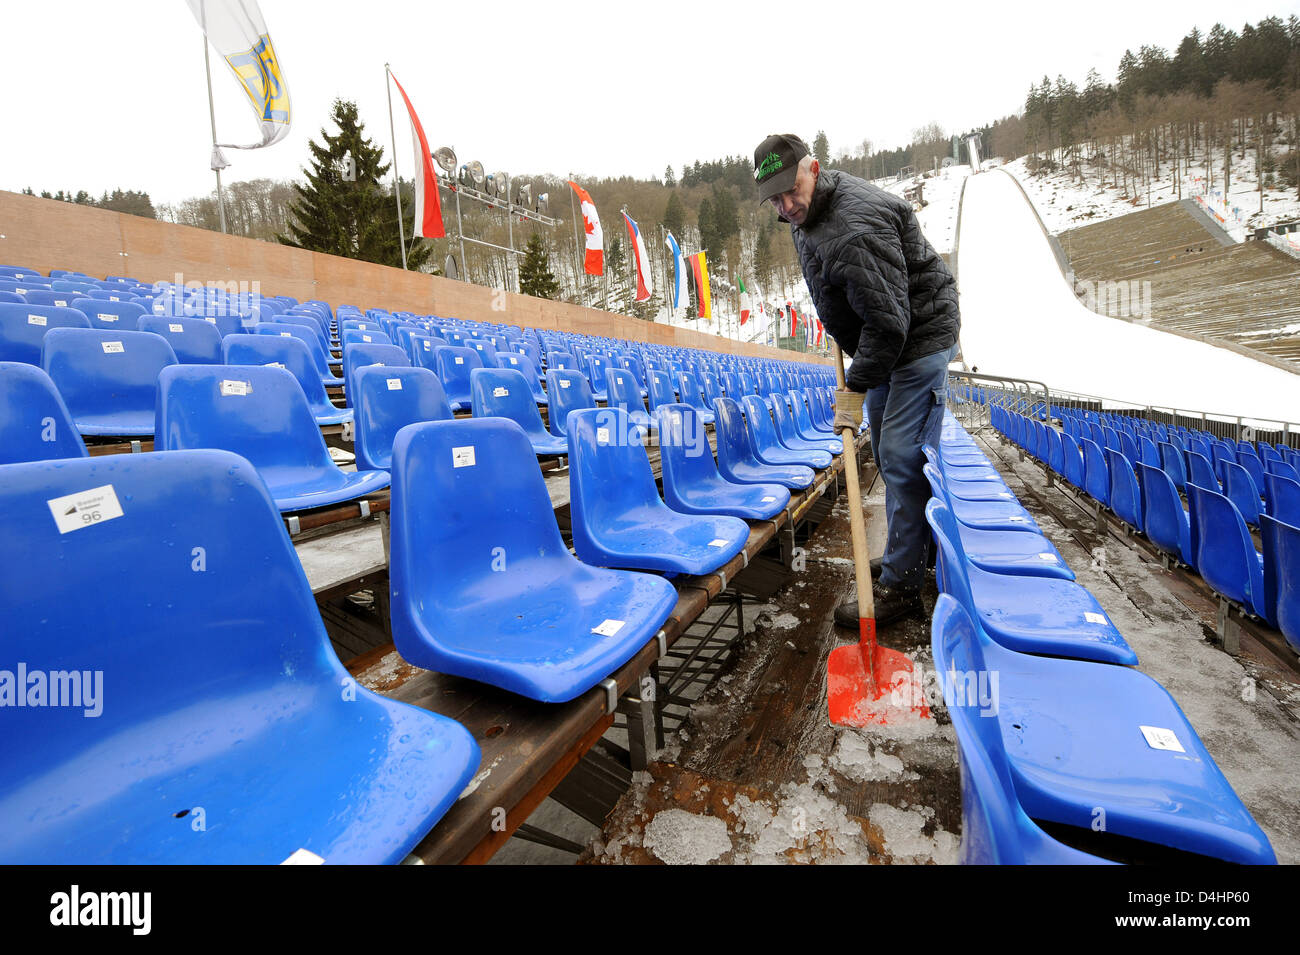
670,179
675,216
535,276
344,208
822,148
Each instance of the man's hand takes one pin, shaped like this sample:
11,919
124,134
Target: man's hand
848,410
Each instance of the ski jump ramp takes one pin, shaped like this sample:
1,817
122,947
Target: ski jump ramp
1022,319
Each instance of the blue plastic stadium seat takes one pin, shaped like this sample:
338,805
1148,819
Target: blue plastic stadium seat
261,414
688,386
1283,498
1023,553
524,365
1073,740
568,390
503,393
221,699
736,459
23,328
995,828
388,399
308,336
35,424
43,296
1173,463
622,391
292,355
454,364
1164,520
482,584
1042,615
692,484
364,337
1200,472
1281,540
1124,496
108,379
1096,476
362,356
1073,460
193,340
788,434
1224,552
661,390
803,421
1240,488
618,517
111,316
767,446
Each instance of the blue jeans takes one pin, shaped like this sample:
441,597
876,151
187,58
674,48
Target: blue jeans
905,413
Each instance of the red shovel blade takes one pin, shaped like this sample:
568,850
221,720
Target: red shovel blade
867,684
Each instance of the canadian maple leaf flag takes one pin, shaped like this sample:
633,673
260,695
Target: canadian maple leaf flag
595,259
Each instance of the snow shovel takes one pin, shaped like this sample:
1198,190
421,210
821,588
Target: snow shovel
866,683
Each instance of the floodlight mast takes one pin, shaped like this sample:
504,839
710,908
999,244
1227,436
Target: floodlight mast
475,183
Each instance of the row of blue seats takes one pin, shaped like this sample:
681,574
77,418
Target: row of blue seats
1071,741
257,726
1211,535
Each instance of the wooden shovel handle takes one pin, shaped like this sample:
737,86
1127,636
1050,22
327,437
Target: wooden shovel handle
857,521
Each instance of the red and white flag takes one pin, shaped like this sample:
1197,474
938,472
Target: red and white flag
595,259
428,210
794,319
644,283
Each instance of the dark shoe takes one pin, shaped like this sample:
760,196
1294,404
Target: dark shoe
892,604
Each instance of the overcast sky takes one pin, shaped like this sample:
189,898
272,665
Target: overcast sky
106,95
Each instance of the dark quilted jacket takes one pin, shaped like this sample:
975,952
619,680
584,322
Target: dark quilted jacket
880,289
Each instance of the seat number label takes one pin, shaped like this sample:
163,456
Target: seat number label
719,542
460,359
1094,617
564,382
36,320
175,327
500,392
229,387
1160,738
105,317
75,511
609,627
394,384
462,457
112,348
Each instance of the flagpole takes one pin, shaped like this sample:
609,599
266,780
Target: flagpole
212,113
392,132
577,250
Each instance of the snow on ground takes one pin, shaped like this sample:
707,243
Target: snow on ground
1020,318
942,195
1065,203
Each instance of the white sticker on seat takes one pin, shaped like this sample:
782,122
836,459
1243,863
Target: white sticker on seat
112,298
229,387
1047,557
462,457
72,512
112,348
499,392
1094,617
286,334
303,857
564,382
366,338
61,301
427,345
36,320
210,319
1158,737
175,327
609,627
718,543
602,435
394,384
460,359
275,364
768,500
105,317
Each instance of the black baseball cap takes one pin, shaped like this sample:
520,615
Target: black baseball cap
776,163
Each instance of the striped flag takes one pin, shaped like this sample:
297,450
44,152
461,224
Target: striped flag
701,270
744,301
428,208
679,274
644,283
594,263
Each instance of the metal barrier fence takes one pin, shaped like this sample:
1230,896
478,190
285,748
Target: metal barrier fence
970,394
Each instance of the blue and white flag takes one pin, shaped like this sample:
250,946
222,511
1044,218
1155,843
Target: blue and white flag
236,30
679,274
